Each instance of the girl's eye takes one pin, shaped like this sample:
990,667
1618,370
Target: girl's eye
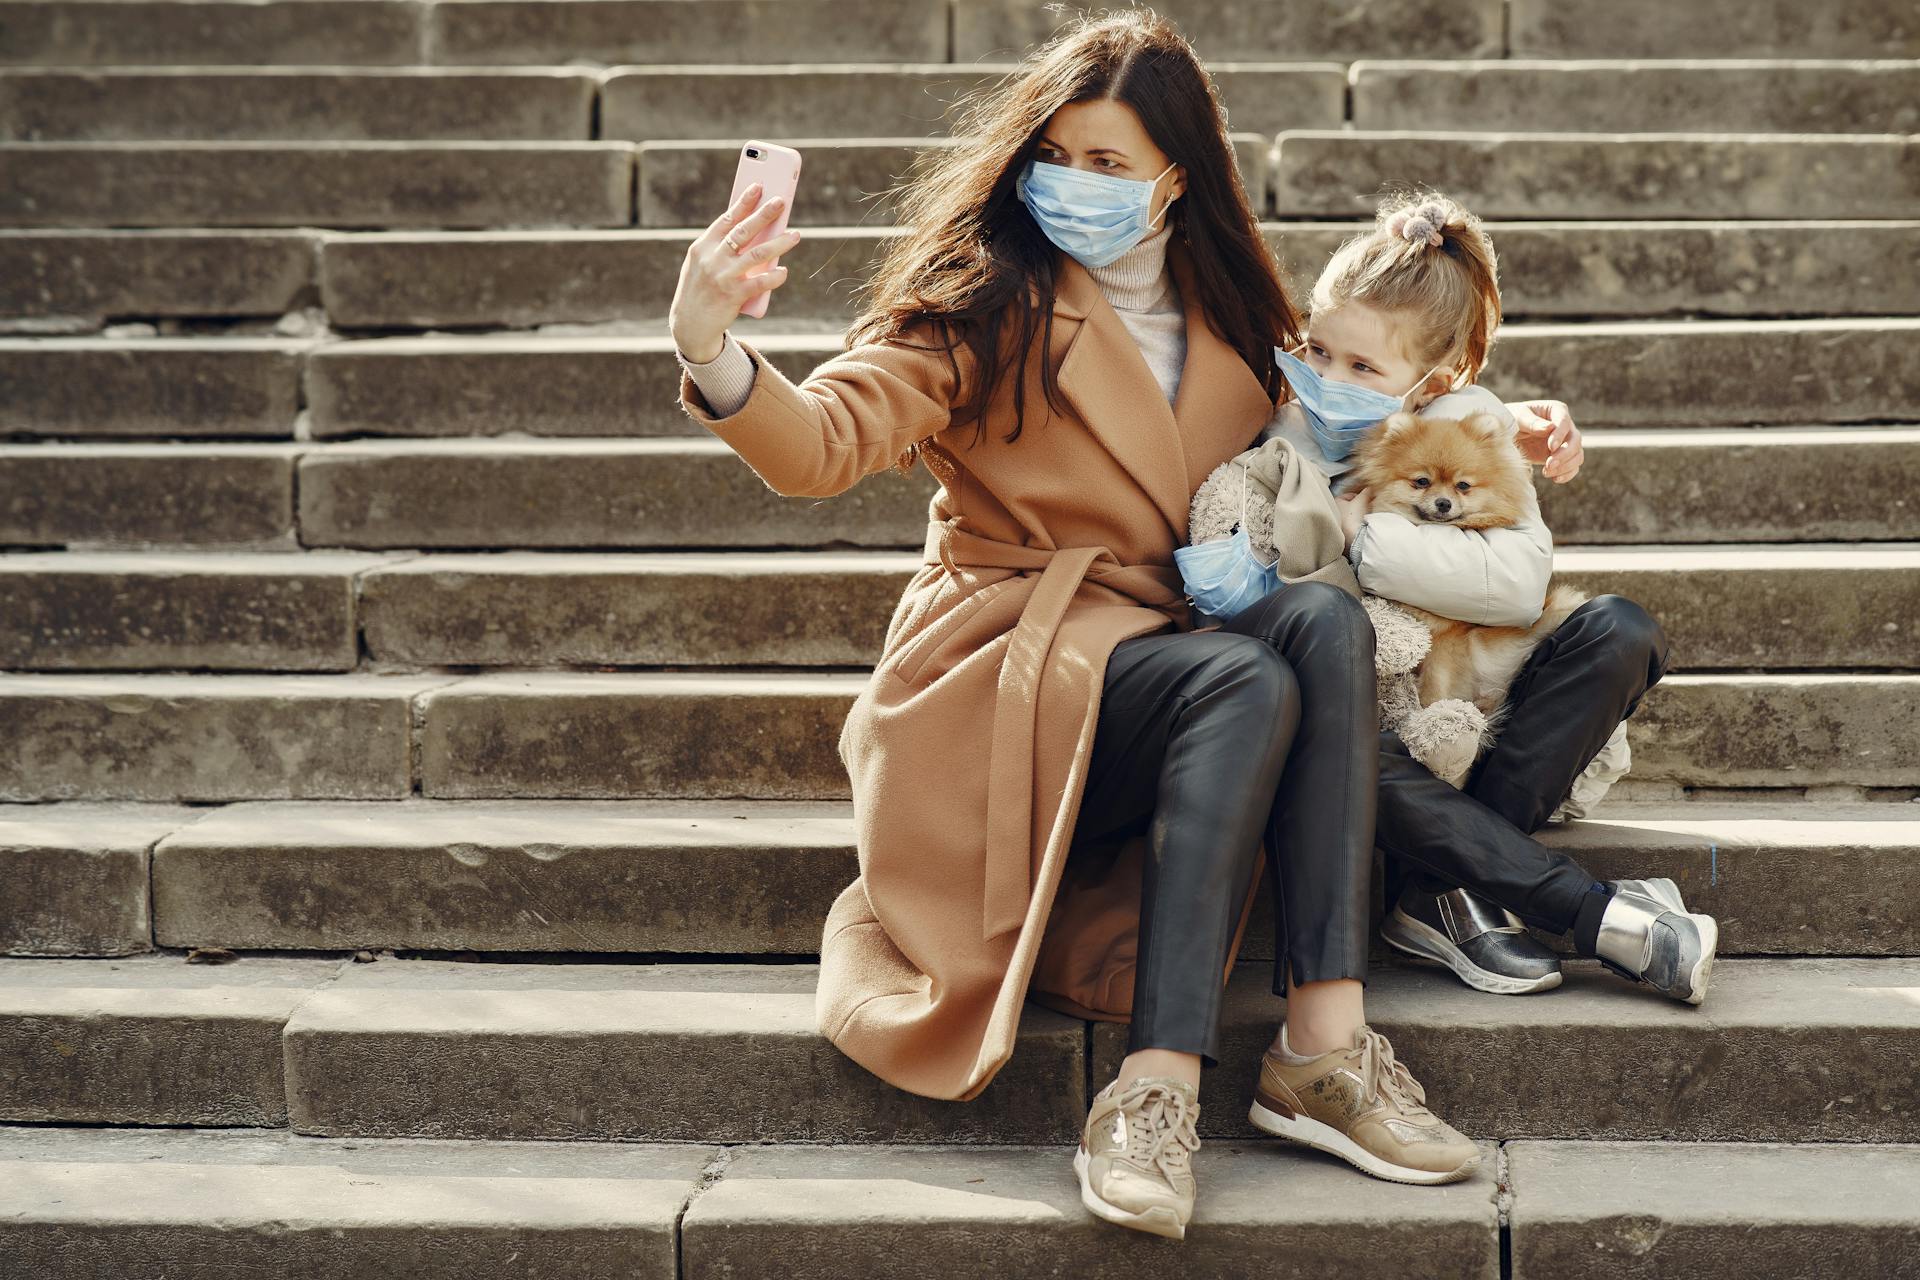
1463,486
1361,368
1421,482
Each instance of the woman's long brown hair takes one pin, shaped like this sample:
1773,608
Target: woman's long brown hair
974,267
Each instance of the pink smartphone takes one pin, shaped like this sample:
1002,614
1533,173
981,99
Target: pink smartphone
777,170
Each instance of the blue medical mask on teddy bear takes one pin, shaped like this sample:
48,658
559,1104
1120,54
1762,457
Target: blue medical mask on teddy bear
1095,217
1340,413
1223,575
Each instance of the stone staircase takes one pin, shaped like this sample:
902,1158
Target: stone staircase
370,615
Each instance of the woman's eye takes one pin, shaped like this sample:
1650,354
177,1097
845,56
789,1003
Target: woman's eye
1463,486
1421,482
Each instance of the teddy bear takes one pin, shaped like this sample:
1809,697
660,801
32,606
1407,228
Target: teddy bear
1447,736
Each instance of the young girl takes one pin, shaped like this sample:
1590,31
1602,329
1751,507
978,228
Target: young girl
1403,317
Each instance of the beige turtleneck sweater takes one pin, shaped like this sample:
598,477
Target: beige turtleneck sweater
1137,285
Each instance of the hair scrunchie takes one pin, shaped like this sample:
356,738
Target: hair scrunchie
1419,225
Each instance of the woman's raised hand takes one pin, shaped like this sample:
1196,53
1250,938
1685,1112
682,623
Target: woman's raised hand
716,279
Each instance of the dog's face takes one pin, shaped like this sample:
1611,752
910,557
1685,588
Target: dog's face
1460,471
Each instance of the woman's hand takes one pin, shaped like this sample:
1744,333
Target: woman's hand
1547,435
1353,512
716,280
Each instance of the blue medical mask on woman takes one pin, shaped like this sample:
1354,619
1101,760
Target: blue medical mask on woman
1095,217
1223,576
1340,413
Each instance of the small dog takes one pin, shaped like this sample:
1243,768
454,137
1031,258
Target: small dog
1466,472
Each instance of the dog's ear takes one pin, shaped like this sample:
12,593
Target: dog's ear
1486,425
1397,423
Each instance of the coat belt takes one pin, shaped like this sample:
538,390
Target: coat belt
1008,888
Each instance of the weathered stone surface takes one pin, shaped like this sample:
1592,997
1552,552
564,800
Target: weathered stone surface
1250,29
1719,29
782,608
1780,731
1709,372
187,737
533,385
580,736
1739,486
1669,96
837,101
201,104
1778,608
80,280
521,875
78,1203
76,877
1618,1211
1543,175
701,1053
149,1040
503,493
1549,270
1782,1051
1721,607
205,33
78,611
147,494
492,32
318,184
149,386
686,184
908,1212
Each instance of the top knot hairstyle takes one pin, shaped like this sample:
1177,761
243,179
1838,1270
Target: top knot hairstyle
1426,256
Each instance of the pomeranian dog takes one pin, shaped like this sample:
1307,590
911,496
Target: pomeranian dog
1469,473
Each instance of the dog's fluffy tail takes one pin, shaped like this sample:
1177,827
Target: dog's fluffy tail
1562,600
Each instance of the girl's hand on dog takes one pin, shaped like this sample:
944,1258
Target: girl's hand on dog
1353,512
1547,436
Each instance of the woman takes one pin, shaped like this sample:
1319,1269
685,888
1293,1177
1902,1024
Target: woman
1044,653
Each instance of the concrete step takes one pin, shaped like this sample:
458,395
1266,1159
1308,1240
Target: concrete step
78,1203
1783,1050
849,181
391,33
661,494
818,100
318,184
260,1200
1714,29
1571,175
746,878
1694,95
480,494
58,281
144,495
298,104
197,738
221,612
1723,607
698,736
1685,373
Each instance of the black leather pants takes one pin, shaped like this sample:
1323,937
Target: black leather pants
1209,741
1576,686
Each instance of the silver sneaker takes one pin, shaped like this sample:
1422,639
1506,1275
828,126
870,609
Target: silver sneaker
1648,935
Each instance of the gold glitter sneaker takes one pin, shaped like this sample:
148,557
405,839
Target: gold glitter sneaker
1361,1104
1135,1159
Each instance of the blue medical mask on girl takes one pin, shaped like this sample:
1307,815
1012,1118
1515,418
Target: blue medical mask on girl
1095,217
1340,413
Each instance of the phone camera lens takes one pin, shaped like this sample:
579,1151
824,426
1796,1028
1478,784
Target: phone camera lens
753,153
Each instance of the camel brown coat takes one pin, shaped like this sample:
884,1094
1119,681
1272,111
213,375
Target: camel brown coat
968,747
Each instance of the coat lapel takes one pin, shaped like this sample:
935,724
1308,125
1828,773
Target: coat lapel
1168,450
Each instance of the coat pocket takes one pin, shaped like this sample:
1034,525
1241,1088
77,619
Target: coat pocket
912,657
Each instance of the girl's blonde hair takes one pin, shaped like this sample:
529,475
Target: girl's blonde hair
1427,258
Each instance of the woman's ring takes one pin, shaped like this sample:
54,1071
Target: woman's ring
728,241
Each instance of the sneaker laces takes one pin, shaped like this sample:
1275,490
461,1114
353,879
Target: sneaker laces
1380,1070
1160,1119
